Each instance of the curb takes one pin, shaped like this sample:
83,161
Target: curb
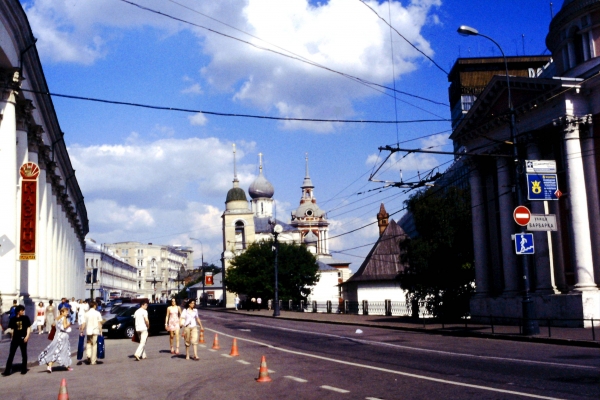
514,338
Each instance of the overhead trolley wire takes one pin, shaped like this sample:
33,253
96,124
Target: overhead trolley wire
222,114
293,56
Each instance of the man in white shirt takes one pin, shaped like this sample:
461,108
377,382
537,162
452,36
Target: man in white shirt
92,327
141,328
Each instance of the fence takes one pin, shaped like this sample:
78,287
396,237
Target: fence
365,307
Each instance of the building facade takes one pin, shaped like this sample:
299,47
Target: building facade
557,114
44,219
108,275
160,268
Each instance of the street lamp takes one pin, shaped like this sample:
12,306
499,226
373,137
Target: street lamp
277,229
530,325
202,267
154,286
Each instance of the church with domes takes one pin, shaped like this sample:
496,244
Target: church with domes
248,221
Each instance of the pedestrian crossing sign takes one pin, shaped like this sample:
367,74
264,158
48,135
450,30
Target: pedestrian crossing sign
524,243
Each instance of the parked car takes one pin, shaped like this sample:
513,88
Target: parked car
116,310
123,324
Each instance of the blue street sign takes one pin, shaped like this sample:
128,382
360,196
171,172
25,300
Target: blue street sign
542,187
524,243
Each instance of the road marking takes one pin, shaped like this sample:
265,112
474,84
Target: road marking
226,355
372,398
450,353
245,330
391,371
243,362
335,389
296,379
203,345
211,350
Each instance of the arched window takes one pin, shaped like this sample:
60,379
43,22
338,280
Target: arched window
240,236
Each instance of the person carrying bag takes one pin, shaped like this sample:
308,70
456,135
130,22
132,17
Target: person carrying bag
190,322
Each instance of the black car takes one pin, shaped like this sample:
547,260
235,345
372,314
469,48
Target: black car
123,324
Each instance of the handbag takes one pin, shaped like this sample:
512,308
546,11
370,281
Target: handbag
100,343
135,338
52,333
80,347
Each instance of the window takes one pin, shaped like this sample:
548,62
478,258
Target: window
240,236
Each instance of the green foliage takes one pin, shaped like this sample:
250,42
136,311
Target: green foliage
440,271
253,271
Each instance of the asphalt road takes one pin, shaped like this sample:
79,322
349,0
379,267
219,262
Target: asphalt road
310,361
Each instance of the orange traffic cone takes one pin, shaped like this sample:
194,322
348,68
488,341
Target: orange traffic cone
263,372
216,342
62,391
234,349
201,336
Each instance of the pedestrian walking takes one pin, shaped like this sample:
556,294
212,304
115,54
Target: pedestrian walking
91,326
190,322
141,329
258,302
50,315
270,304
59,350
253,303
74,310
40,318
237,302
21,330
172,323
13,310
82,309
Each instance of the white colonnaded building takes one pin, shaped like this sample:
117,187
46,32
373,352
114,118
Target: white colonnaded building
44,219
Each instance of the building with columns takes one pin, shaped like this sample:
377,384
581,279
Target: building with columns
106,272
44,219
557,113
160,268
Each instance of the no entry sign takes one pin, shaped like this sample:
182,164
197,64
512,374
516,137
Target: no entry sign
522,215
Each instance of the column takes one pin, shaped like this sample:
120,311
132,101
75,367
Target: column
507,227
588,150
9,243
543,262
480,248
578,209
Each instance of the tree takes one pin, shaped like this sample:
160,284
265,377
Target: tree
252,272
440,268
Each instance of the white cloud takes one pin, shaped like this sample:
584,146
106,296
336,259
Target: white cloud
161,191
339,34
198,119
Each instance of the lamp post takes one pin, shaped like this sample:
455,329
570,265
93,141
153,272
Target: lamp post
530,325
277,229
202,267
154,286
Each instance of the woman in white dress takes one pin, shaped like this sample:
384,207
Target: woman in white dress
59,350
40,317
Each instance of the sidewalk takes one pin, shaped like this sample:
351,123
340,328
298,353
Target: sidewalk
582,337
36,344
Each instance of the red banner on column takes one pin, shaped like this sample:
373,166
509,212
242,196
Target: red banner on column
29,172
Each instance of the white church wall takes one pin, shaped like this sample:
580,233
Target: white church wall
380,291
326,288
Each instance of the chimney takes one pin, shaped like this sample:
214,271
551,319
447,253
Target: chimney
382,219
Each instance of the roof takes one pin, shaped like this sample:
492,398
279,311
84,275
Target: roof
325,267
383,261
235,194
261,187
333,261
262,225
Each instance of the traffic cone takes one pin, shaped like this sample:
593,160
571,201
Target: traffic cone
263,372
62,391
234,349
201,336
216,342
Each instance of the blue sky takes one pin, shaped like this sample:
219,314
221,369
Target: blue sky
162,176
